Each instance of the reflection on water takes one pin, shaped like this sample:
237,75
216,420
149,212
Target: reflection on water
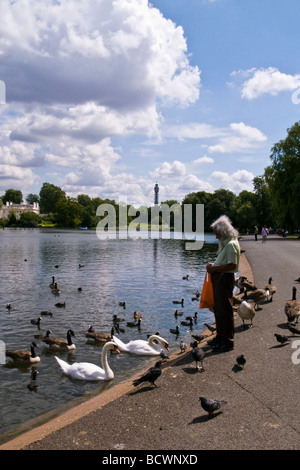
146,273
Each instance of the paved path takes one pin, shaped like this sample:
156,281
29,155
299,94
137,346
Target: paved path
262,411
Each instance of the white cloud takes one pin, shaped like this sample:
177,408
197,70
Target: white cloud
236,182
270,81
193,130
203,160
240,137
169,170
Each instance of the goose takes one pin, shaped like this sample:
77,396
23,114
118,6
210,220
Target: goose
178,301
118,328
198,355
87,370
55,289
175,331
272,289
41,337
61,344
246,311
258,295
133,324
244,284
36,322
186,278
140,347
60,305
33,385
24,357
292,308
52,284
98,336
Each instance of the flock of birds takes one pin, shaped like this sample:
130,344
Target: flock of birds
245,303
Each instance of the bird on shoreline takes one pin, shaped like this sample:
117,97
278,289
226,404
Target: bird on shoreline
292,308
210,405
199,337
151,375
211,328
198,355
183,346
282,339
241,361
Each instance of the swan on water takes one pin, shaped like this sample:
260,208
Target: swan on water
152,347
89,371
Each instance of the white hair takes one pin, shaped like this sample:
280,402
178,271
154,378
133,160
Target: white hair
224,228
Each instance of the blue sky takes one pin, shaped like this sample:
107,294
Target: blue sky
107,97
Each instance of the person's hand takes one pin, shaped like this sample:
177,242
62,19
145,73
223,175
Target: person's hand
209,267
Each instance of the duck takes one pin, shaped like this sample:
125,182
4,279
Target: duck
8,306
292,308
47,312
178,302
61,344
36,322
122,304
246,311
89,371
140,347
187,322
186,278
194,318
272,289
98,336
24,357
137,315
33,385
55,289
133,324
175,331
117,319
60,305
177,313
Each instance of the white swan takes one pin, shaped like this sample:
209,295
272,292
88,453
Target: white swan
89,371
152,347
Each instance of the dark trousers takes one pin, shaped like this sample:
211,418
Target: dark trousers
223,290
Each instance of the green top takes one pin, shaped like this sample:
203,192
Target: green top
230,254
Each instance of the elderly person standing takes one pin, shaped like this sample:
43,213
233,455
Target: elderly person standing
222,273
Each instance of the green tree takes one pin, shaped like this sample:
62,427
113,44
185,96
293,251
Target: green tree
31,198
68,212
29,219
12,195
49,197
283,179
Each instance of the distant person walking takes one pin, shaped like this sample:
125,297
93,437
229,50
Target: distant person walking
264,233
255,232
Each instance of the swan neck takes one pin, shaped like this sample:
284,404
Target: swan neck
104,360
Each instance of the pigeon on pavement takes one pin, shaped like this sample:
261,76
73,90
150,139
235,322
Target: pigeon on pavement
210,405
197,354
151,375
241,360
282,339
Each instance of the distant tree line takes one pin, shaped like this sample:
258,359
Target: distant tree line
274,200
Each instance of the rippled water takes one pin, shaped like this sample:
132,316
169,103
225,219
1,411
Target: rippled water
146,273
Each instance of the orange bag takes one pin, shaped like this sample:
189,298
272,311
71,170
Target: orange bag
207,294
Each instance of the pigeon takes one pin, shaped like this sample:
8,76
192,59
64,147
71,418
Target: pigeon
241,361
293,329
151,375
210,405
281,338
198,338
197,354
211,328
163,355
183,346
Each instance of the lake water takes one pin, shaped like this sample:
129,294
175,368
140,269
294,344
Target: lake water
145,272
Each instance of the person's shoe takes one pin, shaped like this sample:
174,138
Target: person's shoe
221,347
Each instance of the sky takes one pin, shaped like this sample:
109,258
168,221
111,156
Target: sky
109,97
